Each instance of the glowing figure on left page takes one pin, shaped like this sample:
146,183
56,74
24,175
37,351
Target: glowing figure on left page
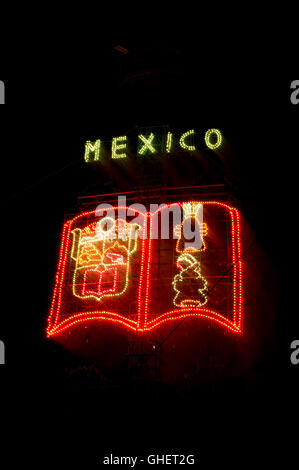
102,252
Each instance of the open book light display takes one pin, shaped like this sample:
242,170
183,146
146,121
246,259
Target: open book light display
113,269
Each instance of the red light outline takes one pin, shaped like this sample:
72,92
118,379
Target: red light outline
142,325
100,292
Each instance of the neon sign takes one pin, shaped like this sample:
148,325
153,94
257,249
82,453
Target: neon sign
190,286
102,263
114,270
150,144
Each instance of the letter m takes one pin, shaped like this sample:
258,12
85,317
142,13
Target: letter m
92,151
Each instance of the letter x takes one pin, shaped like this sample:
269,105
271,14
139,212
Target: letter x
147,143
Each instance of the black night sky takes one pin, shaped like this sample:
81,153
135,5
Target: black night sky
49,114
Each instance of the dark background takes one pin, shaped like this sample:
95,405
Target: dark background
52,107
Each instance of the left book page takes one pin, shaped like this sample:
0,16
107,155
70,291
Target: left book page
99,271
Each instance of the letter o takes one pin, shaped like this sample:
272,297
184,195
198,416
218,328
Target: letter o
208,135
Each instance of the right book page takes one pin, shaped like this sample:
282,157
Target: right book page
197,269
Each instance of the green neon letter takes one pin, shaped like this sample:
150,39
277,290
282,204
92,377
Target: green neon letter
183,143
147,141
118,143
92,148
217,142
169,142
